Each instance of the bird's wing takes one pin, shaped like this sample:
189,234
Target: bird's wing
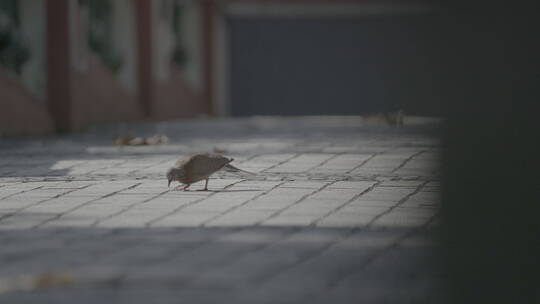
181,162
206,164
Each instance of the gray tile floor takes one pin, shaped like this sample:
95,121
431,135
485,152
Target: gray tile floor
340,211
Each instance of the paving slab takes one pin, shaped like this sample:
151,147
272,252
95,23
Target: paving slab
338,211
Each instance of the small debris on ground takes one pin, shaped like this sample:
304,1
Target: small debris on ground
37,281
393,119
219,150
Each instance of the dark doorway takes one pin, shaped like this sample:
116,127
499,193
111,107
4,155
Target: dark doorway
312,66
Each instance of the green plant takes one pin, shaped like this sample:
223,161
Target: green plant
13,50
100,40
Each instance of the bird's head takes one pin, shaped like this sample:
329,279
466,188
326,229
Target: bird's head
174,174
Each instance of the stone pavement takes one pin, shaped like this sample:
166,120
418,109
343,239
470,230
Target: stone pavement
342,210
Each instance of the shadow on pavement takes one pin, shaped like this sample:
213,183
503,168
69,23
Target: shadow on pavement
225,264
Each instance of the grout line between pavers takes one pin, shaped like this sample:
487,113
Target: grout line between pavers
175,253
249,158
309,256
324,162
57,216
149,223
408,160
96,223
331,244
238,256
4,216
303,198
363,162
291,232
241,205
286,235
282,237
281,162
369,189
399,203
20,192
379,253
149,166
180,251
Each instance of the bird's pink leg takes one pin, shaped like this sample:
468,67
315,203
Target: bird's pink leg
181,187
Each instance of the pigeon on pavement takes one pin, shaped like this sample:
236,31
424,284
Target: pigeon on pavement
199,166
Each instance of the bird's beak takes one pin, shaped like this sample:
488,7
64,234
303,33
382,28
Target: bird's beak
169,184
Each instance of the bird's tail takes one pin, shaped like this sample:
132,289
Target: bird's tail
233,169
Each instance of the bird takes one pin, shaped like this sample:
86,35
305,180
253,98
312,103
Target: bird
199,166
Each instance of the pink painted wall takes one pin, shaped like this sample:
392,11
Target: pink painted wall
81,91
97,97
175,99
21,113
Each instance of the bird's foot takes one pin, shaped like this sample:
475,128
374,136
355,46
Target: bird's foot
181,188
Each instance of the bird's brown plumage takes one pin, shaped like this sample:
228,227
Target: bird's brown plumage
197,167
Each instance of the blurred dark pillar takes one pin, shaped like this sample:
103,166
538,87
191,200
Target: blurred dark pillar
58,64
207,29
145,78
491,158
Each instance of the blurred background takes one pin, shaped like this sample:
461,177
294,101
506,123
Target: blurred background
69,64
65,65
